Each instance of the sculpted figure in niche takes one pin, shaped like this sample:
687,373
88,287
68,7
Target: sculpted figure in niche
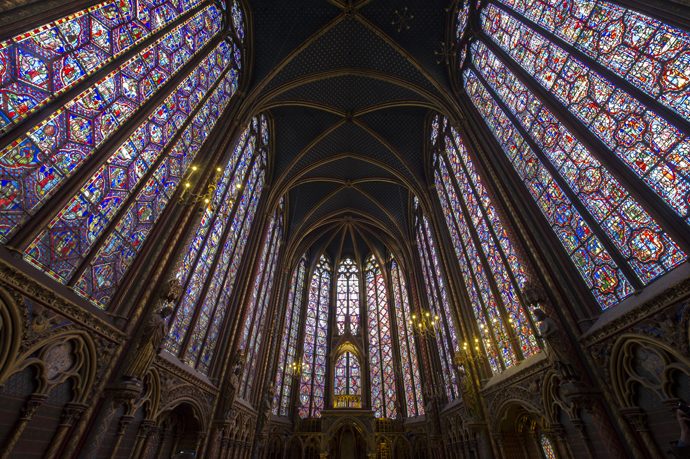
233,381
556,347
153,335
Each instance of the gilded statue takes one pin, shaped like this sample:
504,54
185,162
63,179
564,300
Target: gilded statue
154,333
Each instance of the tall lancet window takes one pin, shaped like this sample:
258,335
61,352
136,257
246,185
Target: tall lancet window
313,380
348,377
100,165
208,269
434,281
412,384
255,320
490,268
590,105
382,373
347,300
288,361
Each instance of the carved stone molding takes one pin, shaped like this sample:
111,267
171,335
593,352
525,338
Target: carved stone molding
20,282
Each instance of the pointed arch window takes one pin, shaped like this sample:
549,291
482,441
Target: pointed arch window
348,375
545,71
254,325
492,274
347,299
381,367
208,269
118,177
287,358
314,360
412,384
434,281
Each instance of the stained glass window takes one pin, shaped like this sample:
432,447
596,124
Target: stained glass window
492,274
36,164
287,358
412,384
253,330
613,241
347,291
313,379
547,447
649,145
348,375
130,172
42,63
208,269
381,370
434,281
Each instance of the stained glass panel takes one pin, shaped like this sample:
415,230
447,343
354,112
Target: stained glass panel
605,279
42,63
34,166
653,56
382,373
313,379
288,347
412,384
651,147
347,307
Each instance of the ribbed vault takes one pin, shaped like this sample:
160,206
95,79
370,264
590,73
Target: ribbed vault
349,95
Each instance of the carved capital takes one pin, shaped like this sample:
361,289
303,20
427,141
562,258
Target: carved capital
71,413
32,405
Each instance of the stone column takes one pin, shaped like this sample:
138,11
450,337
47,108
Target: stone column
70,414
30,407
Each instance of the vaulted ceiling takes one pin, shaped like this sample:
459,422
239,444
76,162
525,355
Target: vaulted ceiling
350,92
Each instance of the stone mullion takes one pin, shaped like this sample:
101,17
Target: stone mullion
523,212
658,209
15,22
285,324
233,212
494,291
618,81
214,264
253,321
71,186
510,331
21,128
293,405
232,322
131,198
397,349
269,354
429,267
330,363
614,252
492,230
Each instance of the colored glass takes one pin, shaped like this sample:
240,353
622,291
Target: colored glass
42,63
382,374
313,379
34,166
412,383
653,56
287,358
651,147
347,301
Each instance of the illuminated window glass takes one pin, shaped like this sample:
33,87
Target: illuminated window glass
221,234
491,272
254,326
314,360
381,367
348,375
446,339
347,291
412,384
287,358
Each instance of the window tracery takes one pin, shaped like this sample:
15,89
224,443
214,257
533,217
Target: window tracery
615,73
347,291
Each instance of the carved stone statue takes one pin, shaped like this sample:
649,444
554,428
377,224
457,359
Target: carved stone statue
233,381
556,347
153,335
